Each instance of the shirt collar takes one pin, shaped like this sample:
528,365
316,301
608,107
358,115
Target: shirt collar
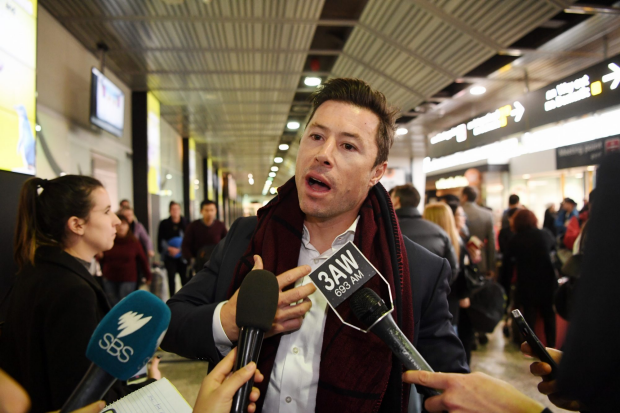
343,238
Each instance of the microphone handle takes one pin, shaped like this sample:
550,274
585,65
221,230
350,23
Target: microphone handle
248,349
388,331
94,385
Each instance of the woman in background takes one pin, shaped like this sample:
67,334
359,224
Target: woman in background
529,250
55,304
120,264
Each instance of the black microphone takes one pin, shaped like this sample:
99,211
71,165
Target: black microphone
123,342
257,304
370,309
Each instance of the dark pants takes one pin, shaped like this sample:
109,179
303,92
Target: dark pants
174,266
466,333
548,315
116,291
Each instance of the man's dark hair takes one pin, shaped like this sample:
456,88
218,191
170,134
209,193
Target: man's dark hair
513,199
123,200
359,93
470,193
570,201
452,200
207,202
408,195
173,203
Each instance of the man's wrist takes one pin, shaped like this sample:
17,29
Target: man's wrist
229,324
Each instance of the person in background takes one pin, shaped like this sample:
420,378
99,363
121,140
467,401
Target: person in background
513,203
529,251
480,224
169,240
203,235
441,215
138,231
428,234
55,304
506,233
567,211
549,220
120,264
124,204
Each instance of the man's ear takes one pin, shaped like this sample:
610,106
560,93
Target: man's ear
378,172
76,225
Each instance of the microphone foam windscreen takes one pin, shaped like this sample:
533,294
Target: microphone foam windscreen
367,306
129,334
258,300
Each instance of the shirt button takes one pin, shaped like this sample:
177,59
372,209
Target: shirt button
295,350
288,400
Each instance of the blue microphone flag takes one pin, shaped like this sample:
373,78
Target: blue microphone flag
129,334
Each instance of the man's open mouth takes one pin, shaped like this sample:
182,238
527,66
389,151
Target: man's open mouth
317,184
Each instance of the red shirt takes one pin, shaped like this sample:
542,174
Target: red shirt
198,234
120,264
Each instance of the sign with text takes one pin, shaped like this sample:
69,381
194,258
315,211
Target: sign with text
342,274
587,91
586,153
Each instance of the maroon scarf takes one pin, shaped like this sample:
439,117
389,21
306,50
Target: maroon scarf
355,367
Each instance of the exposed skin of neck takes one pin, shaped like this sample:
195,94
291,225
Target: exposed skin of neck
176,221
74,247
323,231
208,223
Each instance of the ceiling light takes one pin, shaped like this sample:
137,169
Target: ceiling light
283,147
250,176
312,81
478,90
401,131
196,181
273,190
274,168
293,125
278,159
37,128
251,181
272,174
168,176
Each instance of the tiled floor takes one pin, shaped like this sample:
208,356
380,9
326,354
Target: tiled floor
498,358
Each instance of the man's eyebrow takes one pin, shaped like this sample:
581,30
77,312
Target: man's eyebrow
325,128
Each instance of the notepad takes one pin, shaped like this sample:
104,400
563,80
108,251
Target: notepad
158,397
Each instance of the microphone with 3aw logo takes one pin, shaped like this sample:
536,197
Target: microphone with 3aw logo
122,344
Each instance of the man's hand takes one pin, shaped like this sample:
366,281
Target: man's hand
547,386
288,317
219,387
153,369
475,393
173,251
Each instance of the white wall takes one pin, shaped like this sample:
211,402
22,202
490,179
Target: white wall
171,147
63,107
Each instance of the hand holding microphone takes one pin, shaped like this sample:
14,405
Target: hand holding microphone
123,342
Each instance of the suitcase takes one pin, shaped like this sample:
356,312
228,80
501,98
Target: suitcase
159,282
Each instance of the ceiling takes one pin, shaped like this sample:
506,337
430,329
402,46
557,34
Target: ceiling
229,73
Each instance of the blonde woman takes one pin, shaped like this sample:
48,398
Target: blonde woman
441,214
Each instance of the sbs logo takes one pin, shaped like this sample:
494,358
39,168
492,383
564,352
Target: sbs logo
128,323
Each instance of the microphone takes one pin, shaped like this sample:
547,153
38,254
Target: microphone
256,308
123,342
370,309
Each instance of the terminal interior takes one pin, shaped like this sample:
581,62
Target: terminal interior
189,100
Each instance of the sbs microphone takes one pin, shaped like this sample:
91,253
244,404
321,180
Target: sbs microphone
256,308
370,309
123,342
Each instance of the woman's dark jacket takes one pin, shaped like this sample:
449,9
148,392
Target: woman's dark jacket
529,251
54,309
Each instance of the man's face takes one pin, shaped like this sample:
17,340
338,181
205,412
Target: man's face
335,160
395,200
175,211
208,212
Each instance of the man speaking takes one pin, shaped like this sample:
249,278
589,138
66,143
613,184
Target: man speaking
312,362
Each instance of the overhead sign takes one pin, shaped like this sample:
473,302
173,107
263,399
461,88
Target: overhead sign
585,92
587,153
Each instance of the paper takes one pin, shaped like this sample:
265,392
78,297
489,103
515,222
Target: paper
158,397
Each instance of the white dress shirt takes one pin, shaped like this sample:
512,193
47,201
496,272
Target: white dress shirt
295,376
